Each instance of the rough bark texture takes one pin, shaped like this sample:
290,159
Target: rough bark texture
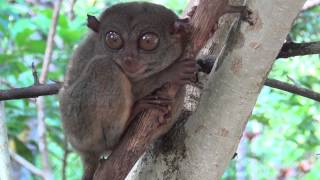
204,146
30,92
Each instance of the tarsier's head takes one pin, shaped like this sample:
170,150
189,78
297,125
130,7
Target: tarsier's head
142,38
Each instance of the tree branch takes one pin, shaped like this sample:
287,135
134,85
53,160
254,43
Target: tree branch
30,92
6,83
71,11
33,169
291,49
293,89
65,159
207,64
288,50
51,89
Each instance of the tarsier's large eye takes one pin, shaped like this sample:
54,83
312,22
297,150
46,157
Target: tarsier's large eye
114,40
148,41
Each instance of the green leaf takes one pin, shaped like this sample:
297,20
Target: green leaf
23,150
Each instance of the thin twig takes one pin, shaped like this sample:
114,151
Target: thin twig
65,159
30,92
50,42
6,83
71,11
293,89
43,147
51,89
35,75
291,49
206,66
33,169
293,80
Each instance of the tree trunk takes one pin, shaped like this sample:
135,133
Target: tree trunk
204,145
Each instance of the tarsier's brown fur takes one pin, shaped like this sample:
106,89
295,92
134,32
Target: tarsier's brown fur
98,94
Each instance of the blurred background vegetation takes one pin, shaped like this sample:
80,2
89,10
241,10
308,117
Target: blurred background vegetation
282,137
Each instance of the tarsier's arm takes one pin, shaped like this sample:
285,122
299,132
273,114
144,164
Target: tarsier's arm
146,86
181,72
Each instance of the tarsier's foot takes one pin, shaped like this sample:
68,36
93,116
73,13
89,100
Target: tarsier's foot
183,71
161,103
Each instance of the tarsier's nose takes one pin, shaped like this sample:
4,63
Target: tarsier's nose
132,65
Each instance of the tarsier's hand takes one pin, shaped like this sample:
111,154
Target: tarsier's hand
183,71
161,103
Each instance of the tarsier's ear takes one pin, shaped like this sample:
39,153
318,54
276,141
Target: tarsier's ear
93,23
181,27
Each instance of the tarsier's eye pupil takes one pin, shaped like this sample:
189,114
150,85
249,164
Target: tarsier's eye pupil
114,40
149,41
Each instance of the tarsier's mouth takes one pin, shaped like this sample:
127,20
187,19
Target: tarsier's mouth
134,70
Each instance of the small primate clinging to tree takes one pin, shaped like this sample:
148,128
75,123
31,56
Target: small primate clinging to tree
133,49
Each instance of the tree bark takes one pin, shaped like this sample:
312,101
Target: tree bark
203,147
291,49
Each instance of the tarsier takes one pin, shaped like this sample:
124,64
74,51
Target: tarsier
133,49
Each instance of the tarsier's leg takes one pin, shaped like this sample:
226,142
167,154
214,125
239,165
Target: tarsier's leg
90,162
166,123
160,103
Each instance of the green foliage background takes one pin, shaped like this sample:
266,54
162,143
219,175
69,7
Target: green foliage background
286,127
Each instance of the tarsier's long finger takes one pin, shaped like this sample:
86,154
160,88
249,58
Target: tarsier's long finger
157,97
160,102
155,106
